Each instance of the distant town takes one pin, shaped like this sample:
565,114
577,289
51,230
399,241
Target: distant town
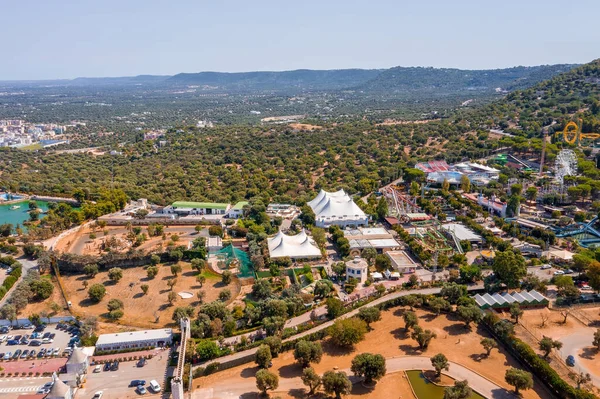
18,133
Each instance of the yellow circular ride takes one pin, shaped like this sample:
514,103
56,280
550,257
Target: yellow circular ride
573,135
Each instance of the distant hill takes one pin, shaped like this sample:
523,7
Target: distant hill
301,79
119,81
445,80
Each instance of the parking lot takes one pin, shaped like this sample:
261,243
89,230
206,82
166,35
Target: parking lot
115,384
60,342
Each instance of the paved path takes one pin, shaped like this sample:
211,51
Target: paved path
573,344
27,265
235,386
378,301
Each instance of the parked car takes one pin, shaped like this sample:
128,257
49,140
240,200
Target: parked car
7,356
546,266
18,337
141,363
25,354
570,361
558,273
35,342
106,366
12,342
32,353
569,271
141,390
47,341
97,369
3,338
135,383
52,335
97,395
24,341
4,329
115,366
46,335
154,386
17,354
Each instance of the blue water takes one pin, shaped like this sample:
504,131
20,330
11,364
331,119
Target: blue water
18,216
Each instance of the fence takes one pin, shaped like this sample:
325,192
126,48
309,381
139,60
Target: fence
49,320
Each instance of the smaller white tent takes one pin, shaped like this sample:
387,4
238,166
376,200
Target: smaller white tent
300,246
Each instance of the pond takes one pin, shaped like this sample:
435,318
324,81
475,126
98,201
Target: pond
424,389
16,216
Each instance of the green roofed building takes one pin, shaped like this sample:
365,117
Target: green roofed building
199,208
237,211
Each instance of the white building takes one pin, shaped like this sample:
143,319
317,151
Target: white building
357,268
134,339
300,246
337,209
78,362
237,211
370,237
60,390
401,262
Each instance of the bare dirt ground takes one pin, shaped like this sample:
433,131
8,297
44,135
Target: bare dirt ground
305,126
40,307
389,339
144,311
82,243
530,330
389,122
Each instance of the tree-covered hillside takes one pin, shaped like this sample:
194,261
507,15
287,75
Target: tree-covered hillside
569,96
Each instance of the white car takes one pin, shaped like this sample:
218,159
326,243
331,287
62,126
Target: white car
97,369
47,341
7,356
98,395
3,338
56,352
558,273
546,266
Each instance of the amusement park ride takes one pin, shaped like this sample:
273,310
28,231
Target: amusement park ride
572,133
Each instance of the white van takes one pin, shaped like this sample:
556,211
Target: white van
154,386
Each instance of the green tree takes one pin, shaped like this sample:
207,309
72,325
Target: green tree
336,383
265,381
263,356
519,379
335,307
369,315
307,352
368,366
225,295
440,363
274,344
90,270
469,314
410,320
261,289
226,277
198,264
311,379
323,288
509,268
460,390
115,274
383,262
171,297
41,289
595,342
580,378
175,269
145,288
531,193
151,271
382,208
114,304
423,337
546,345
369,254
465,184
96,292
207,349
453,291
437,304
516,311
488,344
201,280
347,332
154,260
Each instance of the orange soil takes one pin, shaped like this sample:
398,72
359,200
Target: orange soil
143,310
389,339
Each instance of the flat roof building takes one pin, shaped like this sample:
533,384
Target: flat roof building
197,208
462,233
134,339
402,262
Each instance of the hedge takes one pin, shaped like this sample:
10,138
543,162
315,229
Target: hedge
526,355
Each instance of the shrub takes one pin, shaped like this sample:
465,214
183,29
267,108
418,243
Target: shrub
96,292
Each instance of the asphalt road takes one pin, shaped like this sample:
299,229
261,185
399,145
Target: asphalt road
12,387
573,344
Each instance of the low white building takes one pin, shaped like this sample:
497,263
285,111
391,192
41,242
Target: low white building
357,268
237,211
135,340
401,262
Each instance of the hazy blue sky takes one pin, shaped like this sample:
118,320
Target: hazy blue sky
43,39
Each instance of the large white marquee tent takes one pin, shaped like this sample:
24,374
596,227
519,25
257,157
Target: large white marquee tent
300,246
337,208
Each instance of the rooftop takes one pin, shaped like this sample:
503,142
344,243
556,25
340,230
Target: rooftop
462,232
133,336
298,246
200,205
240,205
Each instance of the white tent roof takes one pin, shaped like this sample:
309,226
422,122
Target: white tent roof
298,246
335,205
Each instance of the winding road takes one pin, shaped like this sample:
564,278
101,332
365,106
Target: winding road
574,344
236,387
